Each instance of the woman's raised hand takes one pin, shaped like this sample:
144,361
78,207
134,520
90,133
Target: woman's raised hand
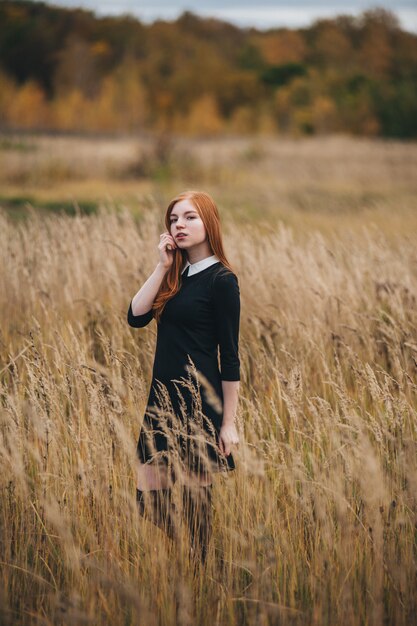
166,249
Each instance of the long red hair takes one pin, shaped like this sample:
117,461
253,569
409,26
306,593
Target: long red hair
208,211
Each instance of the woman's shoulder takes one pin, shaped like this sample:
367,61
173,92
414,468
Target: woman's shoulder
223,277
221,271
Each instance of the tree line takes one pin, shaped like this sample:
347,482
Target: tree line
69,70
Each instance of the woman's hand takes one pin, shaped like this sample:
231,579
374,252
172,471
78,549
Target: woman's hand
228,436
166,249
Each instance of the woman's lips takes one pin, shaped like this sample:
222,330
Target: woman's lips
181,236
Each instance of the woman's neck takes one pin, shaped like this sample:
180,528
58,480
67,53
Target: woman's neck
198,254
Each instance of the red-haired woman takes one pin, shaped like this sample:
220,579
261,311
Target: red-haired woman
188,428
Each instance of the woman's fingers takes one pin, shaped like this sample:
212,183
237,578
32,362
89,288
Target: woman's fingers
168,241
224,447
228,439
166,244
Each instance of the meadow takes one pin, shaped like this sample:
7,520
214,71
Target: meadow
318,523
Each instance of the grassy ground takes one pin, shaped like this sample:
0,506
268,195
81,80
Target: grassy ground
326,184
318,523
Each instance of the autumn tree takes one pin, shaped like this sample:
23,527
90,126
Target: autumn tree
68,69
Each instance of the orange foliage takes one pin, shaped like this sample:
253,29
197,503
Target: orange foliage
287,46
8,90
100,48
71,111
242,120
376,52
201,76
204,117
324,115
332,46
28,107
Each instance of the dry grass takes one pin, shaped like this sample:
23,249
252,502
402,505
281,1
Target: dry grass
321,183
317,525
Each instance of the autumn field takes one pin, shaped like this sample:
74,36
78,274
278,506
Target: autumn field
318,524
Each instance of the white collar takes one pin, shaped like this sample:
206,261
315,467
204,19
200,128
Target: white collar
200,265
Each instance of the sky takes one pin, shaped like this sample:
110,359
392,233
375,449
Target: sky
263,14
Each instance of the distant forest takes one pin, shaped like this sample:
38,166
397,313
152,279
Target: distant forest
68,70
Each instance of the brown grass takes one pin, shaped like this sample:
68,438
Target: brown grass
317,525
328,184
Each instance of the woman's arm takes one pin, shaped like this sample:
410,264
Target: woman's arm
142,302
230,400
226,298
228,435
140,310
226,302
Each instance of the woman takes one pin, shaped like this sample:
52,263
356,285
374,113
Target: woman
188,428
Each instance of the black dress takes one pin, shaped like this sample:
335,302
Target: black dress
184,410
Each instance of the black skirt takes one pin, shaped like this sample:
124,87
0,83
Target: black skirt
177,432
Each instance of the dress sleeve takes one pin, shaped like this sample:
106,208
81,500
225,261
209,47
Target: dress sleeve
226,300
138,321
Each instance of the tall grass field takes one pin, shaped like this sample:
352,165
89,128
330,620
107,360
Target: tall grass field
318,524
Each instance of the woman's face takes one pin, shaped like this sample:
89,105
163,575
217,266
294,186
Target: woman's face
186,220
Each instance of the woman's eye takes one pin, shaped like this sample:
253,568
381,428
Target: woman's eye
190,217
